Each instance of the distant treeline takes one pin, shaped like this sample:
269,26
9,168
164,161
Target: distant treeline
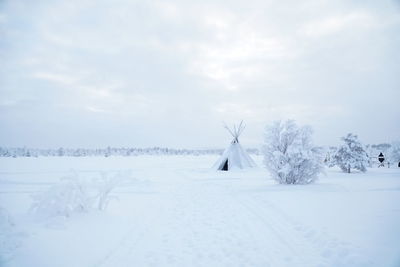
372,150
107,152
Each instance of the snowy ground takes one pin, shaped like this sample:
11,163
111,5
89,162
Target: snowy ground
174,211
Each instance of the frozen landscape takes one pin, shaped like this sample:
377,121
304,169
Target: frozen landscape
176,211
113,152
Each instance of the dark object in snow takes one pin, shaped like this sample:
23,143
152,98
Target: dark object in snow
225,167
398,165
381,159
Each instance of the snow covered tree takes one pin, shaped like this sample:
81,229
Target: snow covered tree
351,155
329,158
289,154
60,152
394,153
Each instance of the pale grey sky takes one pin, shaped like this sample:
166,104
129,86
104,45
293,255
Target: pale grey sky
85,73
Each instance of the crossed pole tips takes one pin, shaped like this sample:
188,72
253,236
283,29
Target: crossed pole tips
236,131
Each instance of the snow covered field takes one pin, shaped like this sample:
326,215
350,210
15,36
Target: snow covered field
175,211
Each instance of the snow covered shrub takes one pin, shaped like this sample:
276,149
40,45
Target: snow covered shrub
105,184
69,195
329,158
351,155
9,239
394,153
75,194
289,154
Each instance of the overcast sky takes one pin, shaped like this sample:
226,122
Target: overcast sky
86,73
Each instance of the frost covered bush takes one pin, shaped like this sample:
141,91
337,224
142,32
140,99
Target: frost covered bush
351,155
9,238
64,198
289,154
394,152
74,194
329,158
105,184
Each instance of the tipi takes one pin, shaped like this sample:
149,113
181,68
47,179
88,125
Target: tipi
234,157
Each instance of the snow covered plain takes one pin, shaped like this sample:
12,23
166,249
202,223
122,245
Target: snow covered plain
175,211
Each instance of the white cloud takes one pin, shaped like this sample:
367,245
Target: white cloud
142,65
337,23
62,79
96,109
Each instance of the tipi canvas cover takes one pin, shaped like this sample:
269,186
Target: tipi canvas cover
234,157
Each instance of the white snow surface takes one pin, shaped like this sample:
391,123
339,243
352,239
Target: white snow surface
176,211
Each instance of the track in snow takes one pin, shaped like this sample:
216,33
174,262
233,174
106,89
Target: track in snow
204,222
